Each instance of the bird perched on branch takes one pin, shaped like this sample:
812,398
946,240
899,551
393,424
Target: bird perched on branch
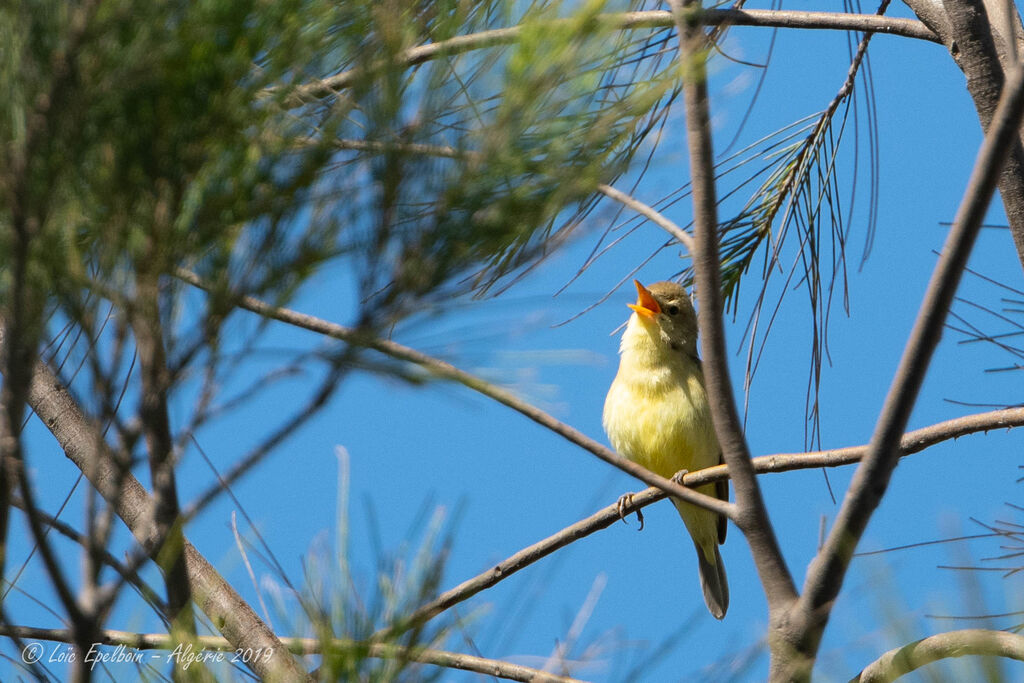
657,415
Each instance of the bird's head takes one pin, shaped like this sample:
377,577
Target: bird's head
665,310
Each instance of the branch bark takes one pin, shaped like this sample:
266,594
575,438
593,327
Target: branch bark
807,620
912,442
84,445
442,369
649,213
868,23
752,516
973,641
985,56
442,658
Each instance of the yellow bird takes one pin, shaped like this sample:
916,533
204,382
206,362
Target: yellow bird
657,415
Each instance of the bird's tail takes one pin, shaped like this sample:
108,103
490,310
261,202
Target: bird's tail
712,580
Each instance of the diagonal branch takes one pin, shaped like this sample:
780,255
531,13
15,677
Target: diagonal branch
752,516
912,442
971,36
444,370
827,571
84,445
649,213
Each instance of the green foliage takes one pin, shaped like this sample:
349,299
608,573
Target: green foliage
145,136
148,141
346,613
471,164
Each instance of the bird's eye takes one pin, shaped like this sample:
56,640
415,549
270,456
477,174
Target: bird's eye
672,310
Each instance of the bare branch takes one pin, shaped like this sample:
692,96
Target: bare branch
444,370
827,571
635,20
970,36
306,646
144,316
649,213
752,516
972,641
83,444
602,519
912,442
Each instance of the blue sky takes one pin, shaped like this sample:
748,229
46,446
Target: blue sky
505,483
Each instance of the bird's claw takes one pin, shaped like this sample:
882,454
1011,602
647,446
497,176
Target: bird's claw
620,507
624,501
679,476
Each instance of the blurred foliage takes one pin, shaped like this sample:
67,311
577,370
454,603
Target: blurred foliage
347,611
140,137
144,132
474,164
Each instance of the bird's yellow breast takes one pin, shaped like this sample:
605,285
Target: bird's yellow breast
657,412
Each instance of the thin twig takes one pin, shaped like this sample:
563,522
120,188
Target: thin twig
912,442
444,370
302,646
907,28
649,213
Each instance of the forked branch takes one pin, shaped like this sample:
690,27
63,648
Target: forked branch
827,571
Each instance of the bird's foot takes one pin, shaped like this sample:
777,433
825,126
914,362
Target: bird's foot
620,507
678,476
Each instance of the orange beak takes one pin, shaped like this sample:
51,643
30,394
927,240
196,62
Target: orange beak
645,304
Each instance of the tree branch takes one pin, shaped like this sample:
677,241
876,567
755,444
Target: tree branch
827,571
912,442
752,516
83,444
870,23
306,646
444,370
154,414
972,641
649,213
970,37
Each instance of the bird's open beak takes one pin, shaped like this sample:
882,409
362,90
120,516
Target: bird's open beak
645,303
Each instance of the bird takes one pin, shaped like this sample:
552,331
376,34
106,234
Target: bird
657,414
